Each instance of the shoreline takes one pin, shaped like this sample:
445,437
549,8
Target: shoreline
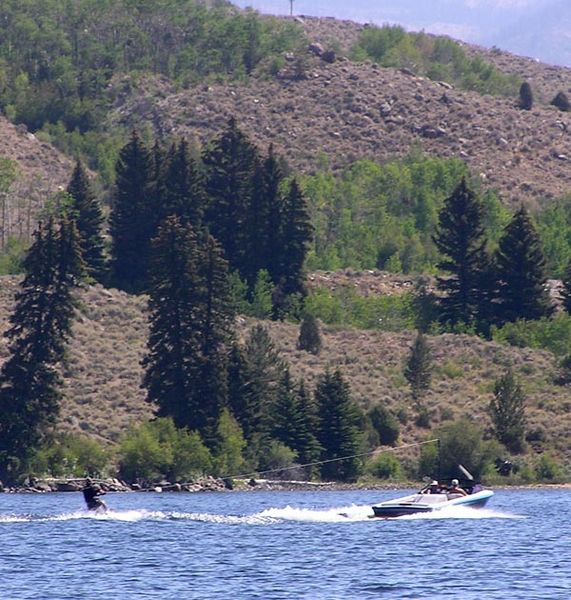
211,484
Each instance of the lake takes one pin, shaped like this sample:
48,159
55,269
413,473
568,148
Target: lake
282,545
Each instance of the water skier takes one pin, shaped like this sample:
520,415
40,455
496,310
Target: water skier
91,495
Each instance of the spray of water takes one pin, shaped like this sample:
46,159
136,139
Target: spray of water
344,514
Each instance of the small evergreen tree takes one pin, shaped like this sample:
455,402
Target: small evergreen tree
254,373
520,266
89,220
339,433
309,335
561,101
525,96
460,239
507,410
418,369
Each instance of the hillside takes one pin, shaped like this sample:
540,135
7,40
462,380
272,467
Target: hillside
103,371
345,111
41,171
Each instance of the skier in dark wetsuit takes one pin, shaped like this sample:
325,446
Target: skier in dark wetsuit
91,495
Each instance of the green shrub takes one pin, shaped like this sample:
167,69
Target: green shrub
346,307
158,450
385,466
439,58
277,457
385,424
547,469
70,456
548,333
229,460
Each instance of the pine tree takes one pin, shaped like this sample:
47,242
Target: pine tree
182,191
309,335
230,164
520,266
418,370
185,369
89,220
173,343
286,416
338,433
263,221
460,239
133,218
254,374
216,334
297,233
525,96
309,449
507,410
40,326
561,101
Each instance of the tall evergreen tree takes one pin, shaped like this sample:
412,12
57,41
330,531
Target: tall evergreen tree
132,222
182,191
185,369
460,239
520,266
40,326
230,165
263,221
507,410
287,419
88,217
418,370
297,233
170,373
216,334
338,433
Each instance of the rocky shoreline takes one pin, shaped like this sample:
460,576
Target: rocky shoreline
212,484
205,484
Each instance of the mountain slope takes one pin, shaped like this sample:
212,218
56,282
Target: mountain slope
345,111
103,371
42,170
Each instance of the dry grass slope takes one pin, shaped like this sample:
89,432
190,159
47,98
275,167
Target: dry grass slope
103,371
346,111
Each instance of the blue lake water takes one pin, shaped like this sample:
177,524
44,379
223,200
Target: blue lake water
282,545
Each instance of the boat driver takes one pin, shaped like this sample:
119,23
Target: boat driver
433,488
456,489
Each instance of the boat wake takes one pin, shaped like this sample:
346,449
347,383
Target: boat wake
345,514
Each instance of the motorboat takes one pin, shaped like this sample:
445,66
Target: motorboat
434,497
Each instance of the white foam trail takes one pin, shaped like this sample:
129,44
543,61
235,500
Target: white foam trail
463,512
330,515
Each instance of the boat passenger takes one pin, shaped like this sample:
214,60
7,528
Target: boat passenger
456,489
91,495
433,488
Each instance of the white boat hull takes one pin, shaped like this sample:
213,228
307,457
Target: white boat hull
426,503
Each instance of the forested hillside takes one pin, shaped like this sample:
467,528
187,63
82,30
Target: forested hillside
220,156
